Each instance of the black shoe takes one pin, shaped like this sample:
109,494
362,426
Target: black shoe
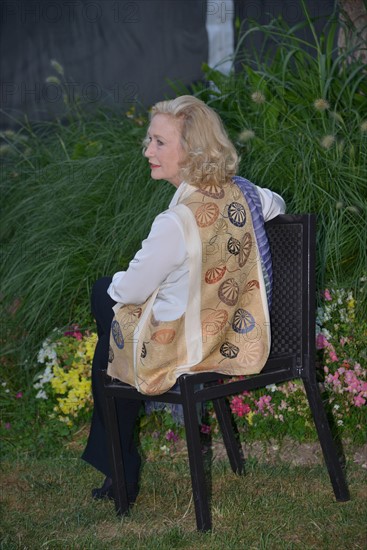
106,491
132,491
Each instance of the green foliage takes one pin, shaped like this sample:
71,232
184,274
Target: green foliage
299,120
341,342
25,427
78,201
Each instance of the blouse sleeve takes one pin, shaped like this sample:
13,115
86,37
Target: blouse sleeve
161,253
272,204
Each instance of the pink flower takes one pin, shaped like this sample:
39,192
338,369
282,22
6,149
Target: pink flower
74,332
327,295
333,379
19,395
357,368
171,436
7,425
333,356
321,341
205,429
246,408
238,407
283,405
359,401
264,406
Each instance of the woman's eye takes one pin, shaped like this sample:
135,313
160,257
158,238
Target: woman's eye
159,142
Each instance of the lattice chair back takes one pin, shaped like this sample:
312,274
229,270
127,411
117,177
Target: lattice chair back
292,244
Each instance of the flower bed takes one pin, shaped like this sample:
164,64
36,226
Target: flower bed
61,399
66,380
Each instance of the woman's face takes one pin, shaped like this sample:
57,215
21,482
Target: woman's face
164,151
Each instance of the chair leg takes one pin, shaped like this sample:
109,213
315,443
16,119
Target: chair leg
233,448
336,473
199,489
116,460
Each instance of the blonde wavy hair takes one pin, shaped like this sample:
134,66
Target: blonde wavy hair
210,156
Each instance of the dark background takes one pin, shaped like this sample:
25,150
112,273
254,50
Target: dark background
114,51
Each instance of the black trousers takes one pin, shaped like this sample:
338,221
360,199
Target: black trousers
96,452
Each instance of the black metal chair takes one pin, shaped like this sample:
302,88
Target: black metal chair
293,242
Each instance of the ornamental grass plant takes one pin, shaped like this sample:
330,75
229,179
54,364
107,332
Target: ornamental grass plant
77,202
298,116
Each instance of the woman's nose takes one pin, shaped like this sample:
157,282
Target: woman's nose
148,151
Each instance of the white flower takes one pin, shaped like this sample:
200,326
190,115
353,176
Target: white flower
320,315
43,378
326,333
47,354
41,395
271,387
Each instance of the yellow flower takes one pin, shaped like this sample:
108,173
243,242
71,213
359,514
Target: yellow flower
249,417
71,381
321,104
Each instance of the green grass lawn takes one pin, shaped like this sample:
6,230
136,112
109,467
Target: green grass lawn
46,504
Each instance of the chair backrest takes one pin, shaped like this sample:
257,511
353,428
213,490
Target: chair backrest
292,242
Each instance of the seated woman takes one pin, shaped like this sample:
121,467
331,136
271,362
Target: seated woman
195,297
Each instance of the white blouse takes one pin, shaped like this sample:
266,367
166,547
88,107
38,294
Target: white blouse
162,261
